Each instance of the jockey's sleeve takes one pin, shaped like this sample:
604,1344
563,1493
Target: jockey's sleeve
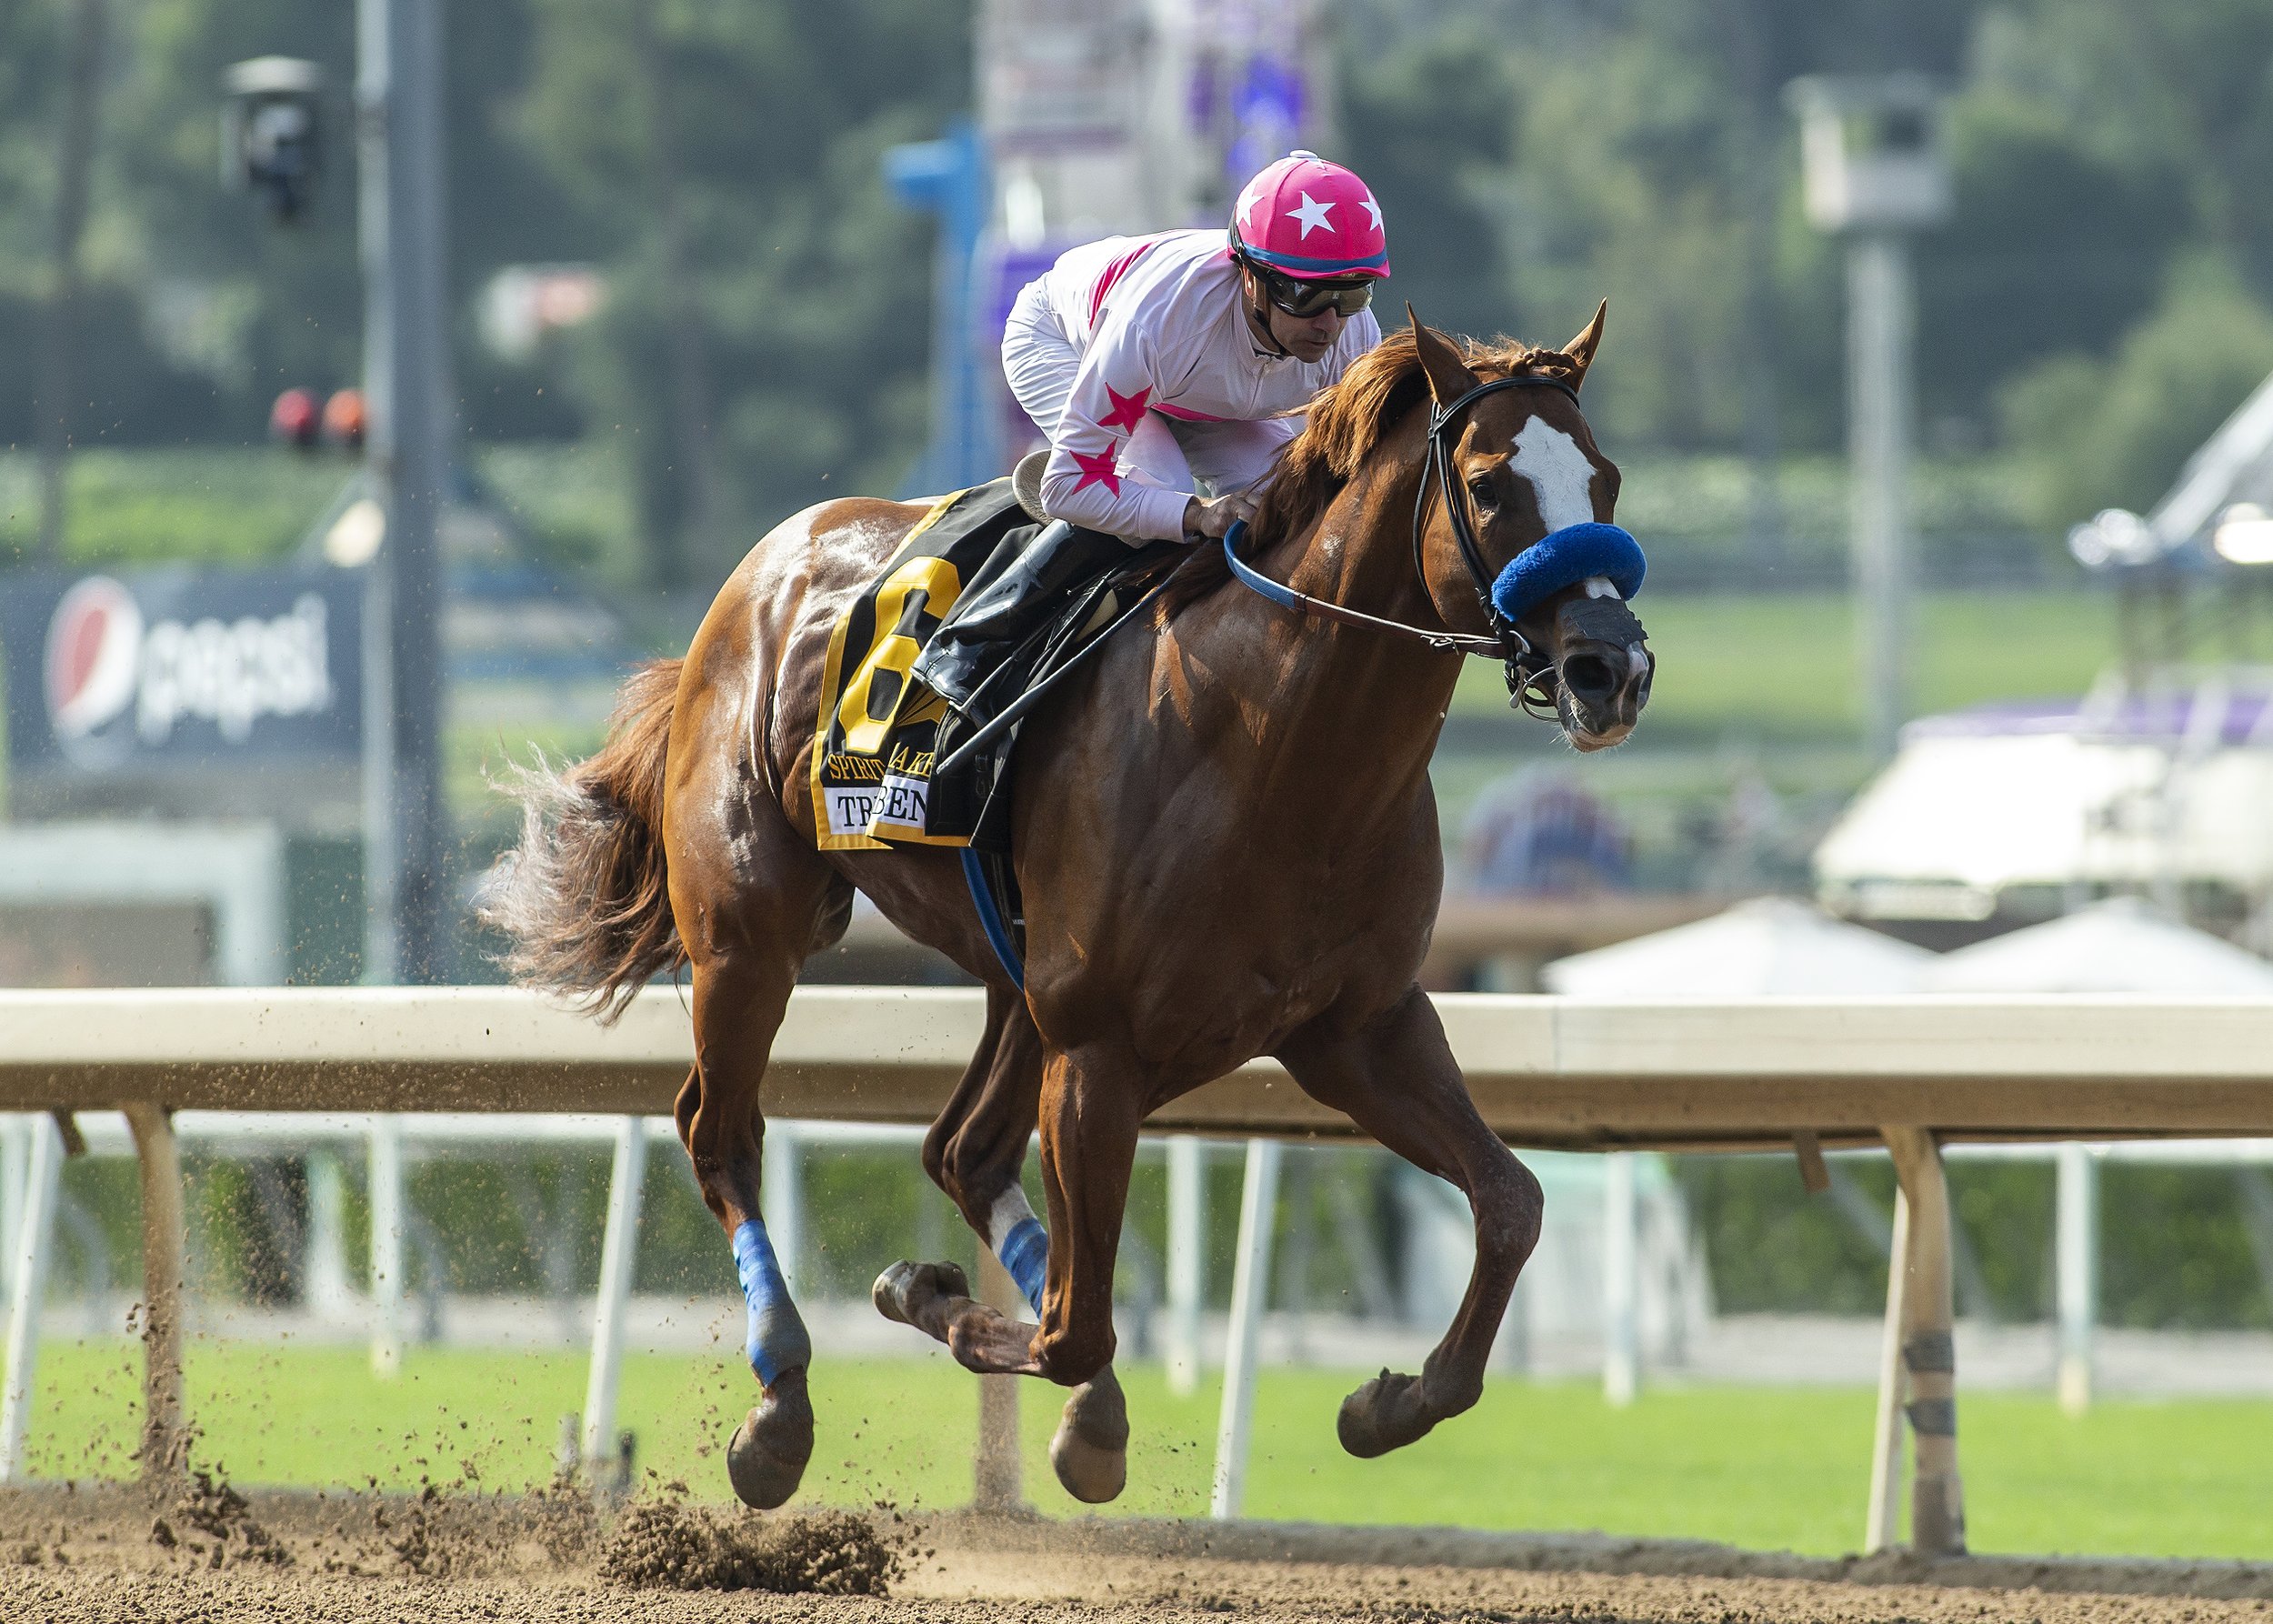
1081,483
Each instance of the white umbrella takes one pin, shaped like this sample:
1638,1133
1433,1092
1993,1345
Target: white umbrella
1769,947
2116,946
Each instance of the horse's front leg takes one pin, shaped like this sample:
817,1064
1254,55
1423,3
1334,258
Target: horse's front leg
975,1153
1093,1104
1395,1079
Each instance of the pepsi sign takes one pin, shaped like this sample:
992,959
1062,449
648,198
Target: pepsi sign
123,673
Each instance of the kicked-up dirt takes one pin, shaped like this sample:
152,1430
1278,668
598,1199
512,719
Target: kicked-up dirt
204,1551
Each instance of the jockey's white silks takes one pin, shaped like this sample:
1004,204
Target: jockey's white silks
1133,355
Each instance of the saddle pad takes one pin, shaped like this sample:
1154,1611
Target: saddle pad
873,748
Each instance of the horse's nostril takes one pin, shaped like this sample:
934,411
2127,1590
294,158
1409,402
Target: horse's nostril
1589,677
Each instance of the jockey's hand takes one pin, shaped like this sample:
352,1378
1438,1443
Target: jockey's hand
1207,520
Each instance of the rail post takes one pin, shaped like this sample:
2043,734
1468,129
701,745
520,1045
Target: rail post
386,1245
781,1196
1929,1351
1250,1285
1621,1279
997,1477
324,1272
1187,1259
35,1228
2075,1271
619,1252
1882,1525
164,1233
16,1153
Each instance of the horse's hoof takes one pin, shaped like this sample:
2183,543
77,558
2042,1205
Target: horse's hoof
765,1461
1090,1452
899,1288
1386,1413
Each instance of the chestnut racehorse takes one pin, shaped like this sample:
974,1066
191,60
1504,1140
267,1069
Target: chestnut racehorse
1226,843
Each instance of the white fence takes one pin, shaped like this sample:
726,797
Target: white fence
1910,1072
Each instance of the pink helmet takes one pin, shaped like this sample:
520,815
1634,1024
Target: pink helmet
1311,219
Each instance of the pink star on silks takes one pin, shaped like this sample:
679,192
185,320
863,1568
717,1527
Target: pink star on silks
1099,469
1128,410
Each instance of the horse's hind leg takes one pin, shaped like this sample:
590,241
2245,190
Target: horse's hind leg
975,1153
1396,1078
747,929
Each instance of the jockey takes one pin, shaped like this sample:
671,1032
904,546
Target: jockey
1163,369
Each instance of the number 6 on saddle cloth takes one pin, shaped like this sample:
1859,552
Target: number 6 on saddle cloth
894,762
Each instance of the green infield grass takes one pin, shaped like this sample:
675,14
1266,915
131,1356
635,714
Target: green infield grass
1757,1466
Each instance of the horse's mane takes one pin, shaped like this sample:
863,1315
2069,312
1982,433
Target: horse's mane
1347,425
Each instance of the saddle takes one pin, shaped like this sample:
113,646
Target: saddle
894,763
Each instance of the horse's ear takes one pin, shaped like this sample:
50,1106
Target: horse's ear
1449,376
1581,349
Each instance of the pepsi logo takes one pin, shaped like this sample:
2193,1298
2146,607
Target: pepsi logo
94,657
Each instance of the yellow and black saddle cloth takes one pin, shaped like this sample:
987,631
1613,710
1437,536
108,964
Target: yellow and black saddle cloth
877,735
882,737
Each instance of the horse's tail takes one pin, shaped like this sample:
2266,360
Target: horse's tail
583,899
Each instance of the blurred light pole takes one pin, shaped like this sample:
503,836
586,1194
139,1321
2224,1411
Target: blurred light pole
271,144
1876,174
949,178
399,118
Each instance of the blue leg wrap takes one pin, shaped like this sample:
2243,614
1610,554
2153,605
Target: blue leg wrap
777,1341
1025,1253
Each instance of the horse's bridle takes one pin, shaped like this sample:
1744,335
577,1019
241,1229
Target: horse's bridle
1531,676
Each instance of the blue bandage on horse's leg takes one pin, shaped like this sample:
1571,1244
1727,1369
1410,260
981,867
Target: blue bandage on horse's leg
777,1339
1021,1243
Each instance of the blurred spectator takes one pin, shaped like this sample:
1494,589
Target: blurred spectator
1534,831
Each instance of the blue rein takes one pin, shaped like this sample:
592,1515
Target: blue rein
1286,597
1561,558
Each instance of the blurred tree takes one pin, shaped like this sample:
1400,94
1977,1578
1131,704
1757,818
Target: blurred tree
1430,124
259,307
2114,432
2054,248
1653,162
767,338
254,307
31,68
59,351
764,340
67,311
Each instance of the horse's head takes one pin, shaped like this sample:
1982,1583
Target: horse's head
1528,468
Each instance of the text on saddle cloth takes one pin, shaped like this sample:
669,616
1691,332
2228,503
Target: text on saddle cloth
875,737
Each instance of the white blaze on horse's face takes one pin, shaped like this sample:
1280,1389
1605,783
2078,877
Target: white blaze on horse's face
1561,475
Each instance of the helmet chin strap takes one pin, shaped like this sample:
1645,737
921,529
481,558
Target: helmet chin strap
1260,311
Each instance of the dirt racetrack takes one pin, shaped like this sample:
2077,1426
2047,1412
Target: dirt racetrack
207,1554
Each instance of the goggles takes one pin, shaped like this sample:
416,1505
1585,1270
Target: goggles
1306,299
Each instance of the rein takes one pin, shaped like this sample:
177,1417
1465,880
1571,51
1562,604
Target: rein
1301,603
1530,676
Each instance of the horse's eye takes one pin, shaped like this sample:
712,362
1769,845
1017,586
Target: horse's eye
1485,493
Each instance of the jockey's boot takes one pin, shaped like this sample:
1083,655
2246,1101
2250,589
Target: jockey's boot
993,623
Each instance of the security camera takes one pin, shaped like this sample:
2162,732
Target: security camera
271,134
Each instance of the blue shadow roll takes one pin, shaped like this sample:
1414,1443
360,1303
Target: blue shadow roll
1564,558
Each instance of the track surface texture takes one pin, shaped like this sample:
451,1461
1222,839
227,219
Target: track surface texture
201,1552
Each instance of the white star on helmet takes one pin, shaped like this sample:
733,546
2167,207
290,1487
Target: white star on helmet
1313,216
1247,200
1373,209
